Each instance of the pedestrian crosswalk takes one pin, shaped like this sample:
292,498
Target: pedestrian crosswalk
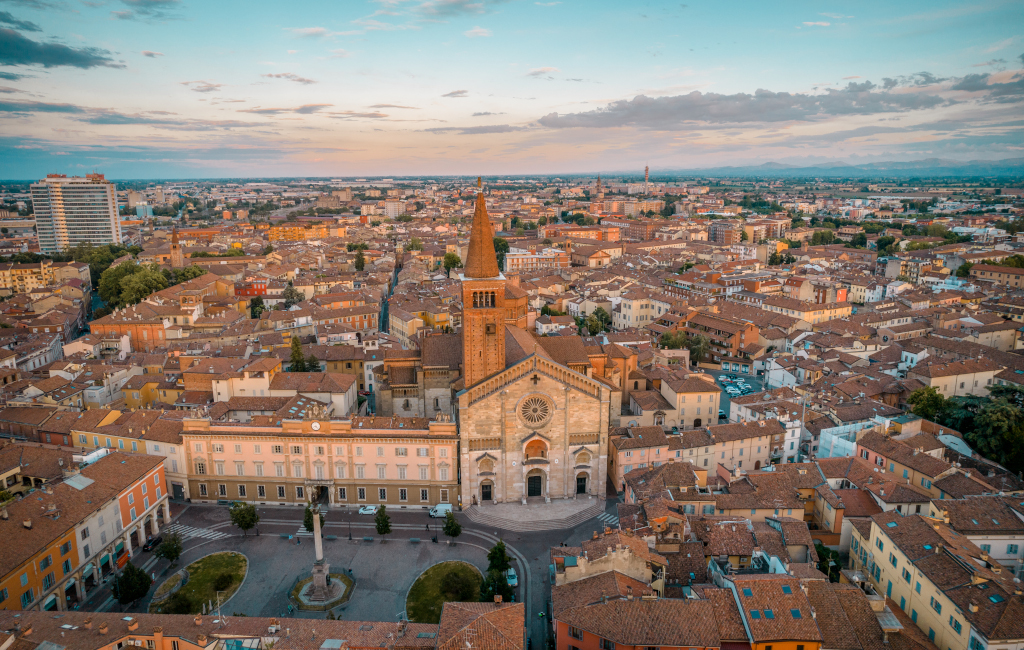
188,532
608,518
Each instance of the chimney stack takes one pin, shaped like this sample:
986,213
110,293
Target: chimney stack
198,619
133,625
497,598
103,628
87,623
201,640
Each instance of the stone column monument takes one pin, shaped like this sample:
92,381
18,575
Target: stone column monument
321,589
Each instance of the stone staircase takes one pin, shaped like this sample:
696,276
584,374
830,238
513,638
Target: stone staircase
529,521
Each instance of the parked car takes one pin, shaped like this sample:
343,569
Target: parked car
513,579
368,510
152,543
721,414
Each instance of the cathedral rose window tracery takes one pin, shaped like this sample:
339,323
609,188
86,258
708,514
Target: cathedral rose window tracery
535,410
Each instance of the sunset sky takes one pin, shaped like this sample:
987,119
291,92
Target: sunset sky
181,88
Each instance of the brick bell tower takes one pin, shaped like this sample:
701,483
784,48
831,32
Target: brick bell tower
177,256
483,301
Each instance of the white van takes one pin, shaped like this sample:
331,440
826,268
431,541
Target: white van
441,510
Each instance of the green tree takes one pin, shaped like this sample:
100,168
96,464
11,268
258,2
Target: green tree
307,519
998,433
928,403
451,261
495,584
268,250
501,248
244,516
292,296
170,549
774,259
415,244
360,262
674,340
382,522
744,236
884,244
298,359
131,584
604,318
138,286
498,558
964,270
860,240
457,586
452,528
110,282
177,276
699,346
312,363
256,307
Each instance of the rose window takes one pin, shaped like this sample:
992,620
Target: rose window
535,410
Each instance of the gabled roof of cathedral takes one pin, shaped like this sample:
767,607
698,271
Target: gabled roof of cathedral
481,261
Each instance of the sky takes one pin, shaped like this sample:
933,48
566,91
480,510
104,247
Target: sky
233,88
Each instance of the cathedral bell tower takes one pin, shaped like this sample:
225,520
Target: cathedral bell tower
177,257
483,301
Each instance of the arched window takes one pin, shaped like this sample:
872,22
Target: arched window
636,385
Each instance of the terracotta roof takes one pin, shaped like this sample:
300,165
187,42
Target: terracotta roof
482,626
481,261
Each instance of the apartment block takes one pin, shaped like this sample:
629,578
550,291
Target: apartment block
75,210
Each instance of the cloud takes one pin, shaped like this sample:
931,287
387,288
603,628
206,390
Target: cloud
414,108
373,25
161,119
10,76
1012,91
763,106
311,32
456,93
143,9
8,90
305,109
340,54
990,63
347,115
151,54
1006,42
202,86
290,76
38,107
476,130
15,49
817,24
542,72
450,8
485,113
552,4
856,76
23,25
476,32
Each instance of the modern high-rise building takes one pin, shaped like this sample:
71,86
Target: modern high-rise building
74,210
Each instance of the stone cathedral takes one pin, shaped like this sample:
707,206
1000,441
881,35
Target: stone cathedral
533,413
530,425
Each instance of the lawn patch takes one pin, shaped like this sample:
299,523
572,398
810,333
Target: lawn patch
206,576
441,583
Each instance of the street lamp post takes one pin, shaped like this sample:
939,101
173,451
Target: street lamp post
350,525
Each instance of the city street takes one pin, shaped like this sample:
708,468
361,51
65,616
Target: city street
383,573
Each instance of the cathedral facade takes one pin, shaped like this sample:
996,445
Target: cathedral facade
529,426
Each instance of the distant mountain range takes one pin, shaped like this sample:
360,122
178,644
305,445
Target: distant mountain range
929,167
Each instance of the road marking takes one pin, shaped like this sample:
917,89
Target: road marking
188,532
608,518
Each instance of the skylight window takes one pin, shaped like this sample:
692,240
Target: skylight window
796,613
755,614
996,598
769,614
891,524
927,547
748,593
786,589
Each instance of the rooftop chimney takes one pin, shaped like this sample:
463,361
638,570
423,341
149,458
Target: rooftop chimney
497,598
103,627
133,625
973,606
201,640
87,623
199,619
